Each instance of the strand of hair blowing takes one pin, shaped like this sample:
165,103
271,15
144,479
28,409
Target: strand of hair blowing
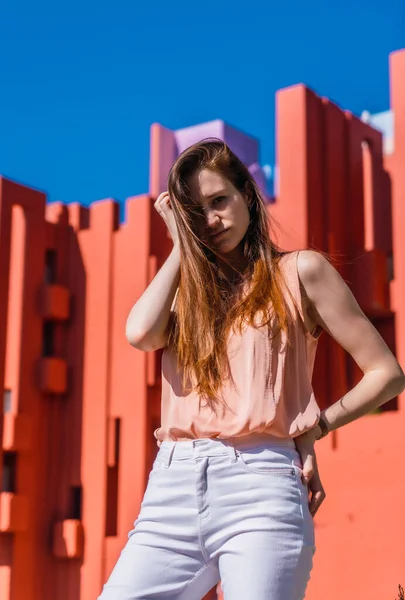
205,312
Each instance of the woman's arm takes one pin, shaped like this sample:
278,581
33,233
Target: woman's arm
147,323
333,306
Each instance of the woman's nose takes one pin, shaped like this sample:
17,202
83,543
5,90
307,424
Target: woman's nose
211,218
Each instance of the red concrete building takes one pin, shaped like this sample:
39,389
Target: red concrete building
80,405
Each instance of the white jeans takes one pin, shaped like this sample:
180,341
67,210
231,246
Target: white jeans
216,510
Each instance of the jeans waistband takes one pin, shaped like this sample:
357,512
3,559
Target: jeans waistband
170,450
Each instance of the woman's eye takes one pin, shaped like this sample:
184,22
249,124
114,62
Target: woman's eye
219,199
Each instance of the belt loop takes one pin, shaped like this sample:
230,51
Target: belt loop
169,459
233,453
193,442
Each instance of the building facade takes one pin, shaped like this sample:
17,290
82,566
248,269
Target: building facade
80,405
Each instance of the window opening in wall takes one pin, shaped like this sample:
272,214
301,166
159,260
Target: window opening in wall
111,521
50,266
9,472
76,502
48,339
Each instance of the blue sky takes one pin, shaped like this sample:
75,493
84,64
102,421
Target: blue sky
82,82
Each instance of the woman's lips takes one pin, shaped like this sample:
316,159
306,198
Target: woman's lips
219,234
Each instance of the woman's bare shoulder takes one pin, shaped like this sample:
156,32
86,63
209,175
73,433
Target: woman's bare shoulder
312,266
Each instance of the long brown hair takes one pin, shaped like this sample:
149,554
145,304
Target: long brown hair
205,312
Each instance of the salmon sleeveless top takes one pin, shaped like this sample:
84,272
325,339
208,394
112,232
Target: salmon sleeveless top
273,393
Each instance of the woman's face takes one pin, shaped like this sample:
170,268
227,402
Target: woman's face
220,208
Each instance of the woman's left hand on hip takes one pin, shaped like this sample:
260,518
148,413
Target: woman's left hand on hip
305,444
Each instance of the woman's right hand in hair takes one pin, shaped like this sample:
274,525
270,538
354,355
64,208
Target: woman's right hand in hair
164,208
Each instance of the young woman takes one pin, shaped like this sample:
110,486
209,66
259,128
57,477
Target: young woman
233,490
